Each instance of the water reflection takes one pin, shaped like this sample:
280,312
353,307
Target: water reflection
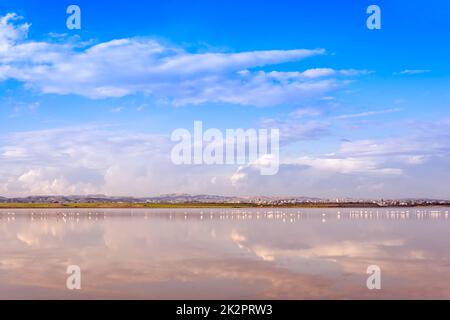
225,253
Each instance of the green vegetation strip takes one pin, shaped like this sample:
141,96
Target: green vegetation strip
157,205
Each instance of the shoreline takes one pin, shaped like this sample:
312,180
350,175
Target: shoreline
202,206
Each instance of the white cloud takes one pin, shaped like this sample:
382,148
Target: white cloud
99,159
317,73
412,165
141,108
124,67
10,33
305,112
368,113
292,130
413,71
107,160
345,165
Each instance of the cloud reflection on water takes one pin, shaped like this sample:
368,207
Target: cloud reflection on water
235,254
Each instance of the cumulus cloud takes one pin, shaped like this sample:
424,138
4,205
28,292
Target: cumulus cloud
97,159
108,160
10,33
79,160
122,67
347,165
411,165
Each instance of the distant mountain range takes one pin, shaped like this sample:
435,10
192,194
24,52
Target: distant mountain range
165,198
204,198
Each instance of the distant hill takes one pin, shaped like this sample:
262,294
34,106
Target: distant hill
165,198
215,199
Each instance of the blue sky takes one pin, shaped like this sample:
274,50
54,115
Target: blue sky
362,112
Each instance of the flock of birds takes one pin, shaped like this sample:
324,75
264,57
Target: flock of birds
285,216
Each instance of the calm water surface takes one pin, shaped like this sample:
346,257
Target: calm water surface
225,254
